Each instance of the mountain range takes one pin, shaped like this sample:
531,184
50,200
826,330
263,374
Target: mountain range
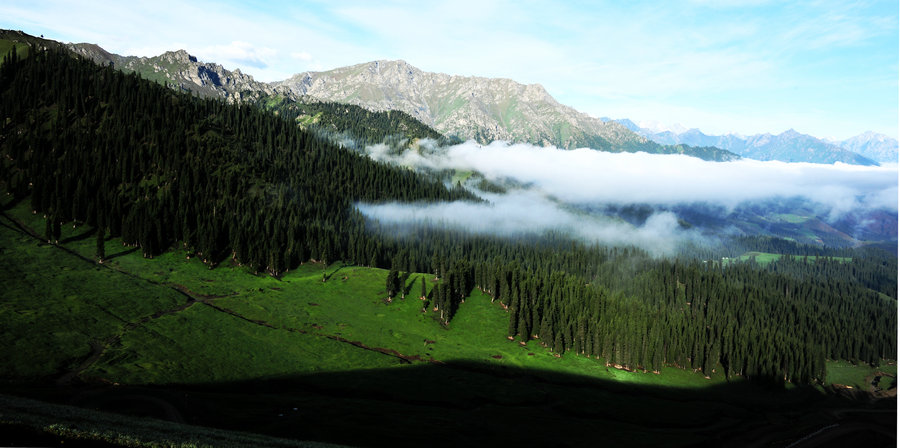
790,146
484,109
469,107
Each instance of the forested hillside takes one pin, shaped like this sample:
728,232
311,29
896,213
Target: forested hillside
779,321
93,145
164,169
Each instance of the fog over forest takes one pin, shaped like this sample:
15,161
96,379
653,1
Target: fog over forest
548,188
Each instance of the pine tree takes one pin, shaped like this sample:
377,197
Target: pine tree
392,283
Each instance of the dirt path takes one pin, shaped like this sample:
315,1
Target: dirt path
830,433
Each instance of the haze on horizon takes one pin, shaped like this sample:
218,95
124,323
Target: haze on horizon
828,69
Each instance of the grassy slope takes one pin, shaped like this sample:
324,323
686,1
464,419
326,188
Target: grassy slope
301,315
54,304
338,344
858,376
7,45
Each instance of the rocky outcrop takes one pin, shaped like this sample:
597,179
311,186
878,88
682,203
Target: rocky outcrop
182,70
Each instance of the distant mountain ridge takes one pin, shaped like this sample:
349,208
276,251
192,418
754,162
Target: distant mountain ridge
469,107
789,146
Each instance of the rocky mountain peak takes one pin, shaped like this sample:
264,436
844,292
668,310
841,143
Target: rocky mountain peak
178,56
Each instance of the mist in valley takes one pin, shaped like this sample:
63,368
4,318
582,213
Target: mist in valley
654,202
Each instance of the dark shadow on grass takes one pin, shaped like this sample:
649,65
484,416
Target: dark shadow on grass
482,404
121,253
407,285
80,236
328,276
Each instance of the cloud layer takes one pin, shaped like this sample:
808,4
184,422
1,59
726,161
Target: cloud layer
528,214
551,188
586,176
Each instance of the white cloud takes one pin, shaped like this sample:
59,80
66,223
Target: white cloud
586,176
525,213
301,55
240,53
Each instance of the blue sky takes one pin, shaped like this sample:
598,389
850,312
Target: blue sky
826,68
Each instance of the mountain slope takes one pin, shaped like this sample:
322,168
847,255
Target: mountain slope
177,68
470,107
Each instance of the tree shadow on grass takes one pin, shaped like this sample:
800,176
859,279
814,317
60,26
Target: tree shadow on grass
121,253
485,404
80,236
327,276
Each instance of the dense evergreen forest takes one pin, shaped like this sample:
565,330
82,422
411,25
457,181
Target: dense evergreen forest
160,168
93,145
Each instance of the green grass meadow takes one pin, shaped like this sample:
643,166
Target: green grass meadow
764,258
6,46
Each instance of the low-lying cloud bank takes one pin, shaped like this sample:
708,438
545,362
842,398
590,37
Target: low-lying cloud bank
587,176
549,179
527,214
